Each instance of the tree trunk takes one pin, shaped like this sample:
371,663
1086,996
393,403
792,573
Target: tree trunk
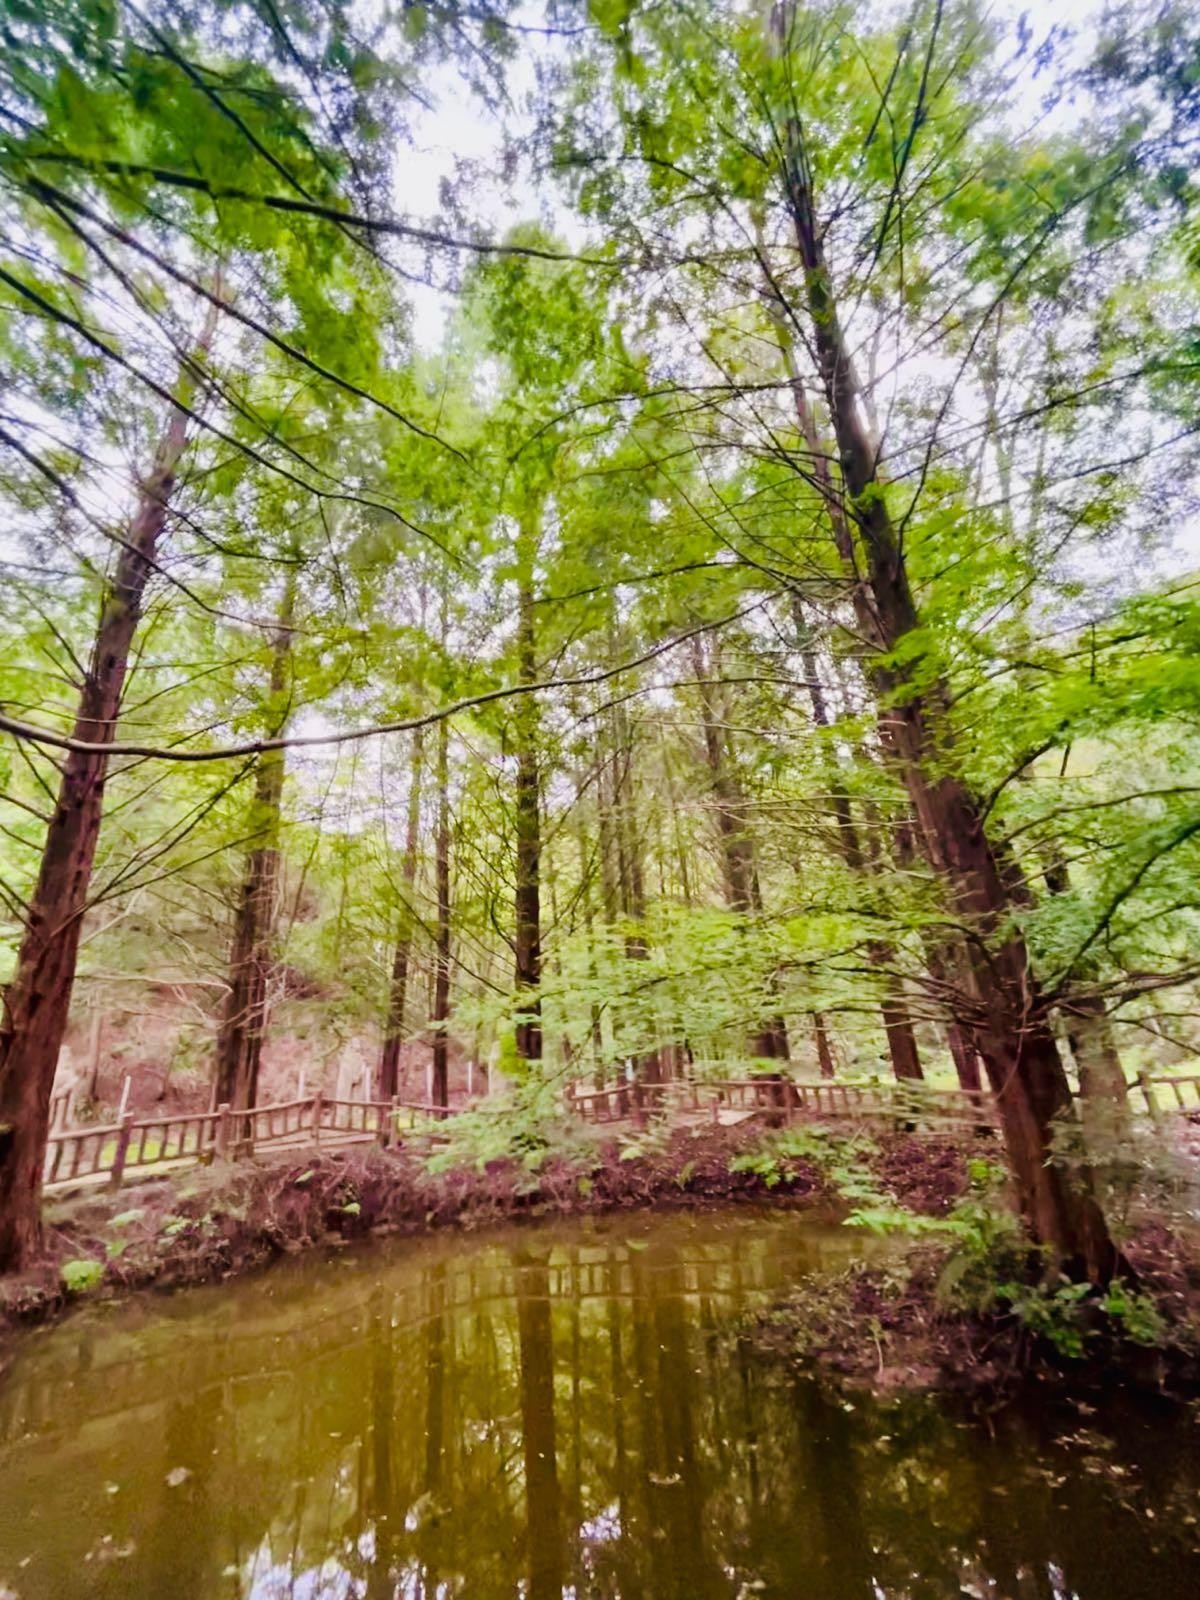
243,1024
945,962
685,880
596,1030
743,894
1014,1037
393,1032
528,946
1102,1087
824,1053
441,982
647,1066
897,1026
37,999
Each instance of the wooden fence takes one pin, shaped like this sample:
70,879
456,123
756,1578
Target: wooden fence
1184,1092
788,1098
113,1150
85,1154
914,1103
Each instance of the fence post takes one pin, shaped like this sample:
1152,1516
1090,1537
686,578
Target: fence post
1152,1105
317,1107
124,1134
393,1124
221,1132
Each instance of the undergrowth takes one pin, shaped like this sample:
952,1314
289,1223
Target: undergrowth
532,1128
972,1284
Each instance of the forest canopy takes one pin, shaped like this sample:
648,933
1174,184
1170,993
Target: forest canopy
712,585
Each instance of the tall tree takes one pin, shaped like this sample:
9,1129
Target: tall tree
393,1028
251,957
440,1075
37,999
527,812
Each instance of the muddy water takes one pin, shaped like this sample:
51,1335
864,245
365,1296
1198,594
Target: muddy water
550,1412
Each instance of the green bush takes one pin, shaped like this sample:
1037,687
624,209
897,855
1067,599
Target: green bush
81,1275
527,1128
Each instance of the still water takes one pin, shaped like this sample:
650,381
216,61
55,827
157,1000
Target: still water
562,1411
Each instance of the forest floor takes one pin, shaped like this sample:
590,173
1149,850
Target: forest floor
895,1327
887,1325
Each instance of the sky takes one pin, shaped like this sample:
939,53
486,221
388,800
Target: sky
459,131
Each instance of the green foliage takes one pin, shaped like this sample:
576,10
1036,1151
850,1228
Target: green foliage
1053,1313
1135,1313
773,1162
623,449
82,1274
989,1271
988,1245
644,1143
527,1129
765,1165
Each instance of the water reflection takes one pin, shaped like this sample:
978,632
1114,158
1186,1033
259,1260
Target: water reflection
545,1414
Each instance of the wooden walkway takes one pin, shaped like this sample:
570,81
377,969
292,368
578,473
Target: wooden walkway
96,1155
725,1101
99,1154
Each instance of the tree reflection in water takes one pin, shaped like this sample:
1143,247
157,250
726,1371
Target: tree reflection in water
559,1412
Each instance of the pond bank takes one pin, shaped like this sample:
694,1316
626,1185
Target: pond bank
573,1403
913,1321
213,1223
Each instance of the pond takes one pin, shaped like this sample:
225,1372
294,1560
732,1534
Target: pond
564,1410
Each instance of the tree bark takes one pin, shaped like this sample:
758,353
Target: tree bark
37,999
897,1026
393,1032
441,982
824,1053
769,1040
528,944
251,958
1018,1048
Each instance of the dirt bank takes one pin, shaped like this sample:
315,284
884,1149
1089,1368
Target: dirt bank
209,1223
898,1327
921,1320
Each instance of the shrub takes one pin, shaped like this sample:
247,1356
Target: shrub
81,1275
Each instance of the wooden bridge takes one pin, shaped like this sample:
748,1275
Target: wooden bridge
91,1155
110,1152
727,1101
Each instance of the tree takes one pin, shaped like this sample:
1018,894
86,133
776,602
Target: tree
239,1042
37,998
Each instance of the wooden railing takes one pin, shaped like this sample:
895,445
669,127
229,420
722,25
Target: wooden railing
1185,1092
78,1155
620,1101
896,1102
62,1104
